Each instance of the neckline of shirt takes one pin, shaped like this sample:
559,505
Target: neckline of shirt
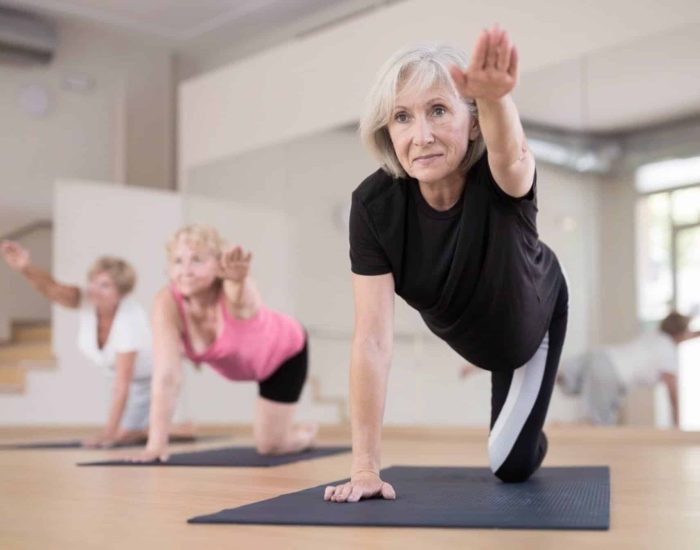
428,210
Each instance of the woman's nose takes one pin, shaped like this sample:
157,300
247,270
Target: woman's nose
423,132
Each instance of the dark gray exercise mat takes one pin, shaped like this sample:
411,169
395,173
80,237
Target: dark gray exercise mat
77,444
228,456
554,498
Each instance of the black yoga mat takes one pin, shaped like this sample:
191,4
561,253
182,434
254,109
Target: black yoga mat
553,498
228,456
77,444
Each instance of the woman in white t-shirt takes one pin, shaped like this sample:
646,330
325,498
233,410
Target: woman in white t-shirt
603,376
114,332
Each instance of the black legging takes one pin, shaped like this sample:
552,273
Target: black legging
519,403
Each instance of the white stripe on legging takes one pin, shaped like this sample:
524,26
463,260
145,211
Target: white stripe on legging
522,394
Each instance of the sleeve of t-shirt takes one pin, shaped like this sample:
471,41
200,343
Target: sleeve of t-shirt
130,329
366,255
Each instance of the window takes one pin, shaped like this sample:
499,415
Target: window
668,261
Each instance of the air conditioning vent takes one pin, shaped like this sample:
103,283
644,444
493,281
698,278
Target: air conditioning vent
25,38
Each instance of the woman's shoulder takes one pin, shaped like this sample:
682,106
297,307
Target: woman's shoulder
375,186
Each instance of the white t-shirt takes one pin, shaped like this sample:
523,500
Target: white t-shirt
130,332
642,361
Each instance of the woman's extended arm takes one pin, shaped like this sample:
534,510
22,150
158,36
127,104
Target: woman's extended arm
18,259
490,77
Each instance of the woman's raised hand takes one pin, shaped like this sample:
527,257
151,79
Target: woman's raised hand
235,264
16,256
361,485
493,69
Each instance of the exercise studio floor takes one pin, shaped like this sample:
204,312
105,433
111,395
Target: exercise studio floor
48,502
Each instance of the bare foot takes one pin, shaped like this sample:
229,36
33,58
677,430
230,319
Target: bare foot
307,432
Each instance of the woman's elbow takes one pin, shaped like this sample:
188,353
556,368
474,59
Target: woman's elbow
375,346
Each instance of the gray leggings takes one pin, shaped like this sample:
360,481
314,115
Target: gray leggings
593,377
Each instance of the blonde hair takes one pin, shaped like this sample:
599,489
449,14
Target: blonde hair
119,270
198,237
674,324
422,66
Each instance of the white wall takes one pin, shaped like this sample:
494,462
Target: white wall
92,219
19,300
317,83
311,181
122,129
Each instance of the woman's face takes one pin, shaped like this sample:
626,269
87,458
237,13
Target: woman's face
430,131
102,292
192,270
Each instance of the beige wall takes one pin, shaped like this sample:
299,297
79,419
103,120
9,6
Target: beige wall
19,300
318,82
618,272
120,130
98,218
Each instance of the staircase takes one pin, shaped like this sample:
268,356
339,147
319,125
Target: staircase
28,348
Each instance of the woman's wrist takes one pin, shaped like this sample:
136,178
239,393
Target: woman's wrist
357,472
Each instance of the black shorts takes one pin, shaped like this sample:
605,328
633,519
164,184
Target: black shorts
285,384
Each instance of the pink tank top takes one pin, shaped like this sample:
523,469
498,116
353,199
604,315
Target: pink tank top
247,349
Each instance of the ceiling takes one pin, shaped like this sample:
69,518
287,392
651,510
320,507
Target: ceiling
653,79
182,20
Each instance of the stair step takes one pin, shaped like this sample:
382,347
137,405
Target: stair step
31,332
15,353
12,379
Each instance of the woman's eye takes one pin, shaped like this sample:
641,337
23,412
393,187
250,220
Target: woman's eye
401,117
439,110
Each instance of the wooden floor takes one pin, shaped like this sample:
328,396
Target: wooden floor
47,502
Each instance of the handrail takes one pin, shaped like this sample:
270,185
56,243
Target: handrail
27,229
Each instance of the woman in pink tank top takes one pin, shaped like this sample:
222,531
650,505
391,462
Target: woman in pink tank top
212,313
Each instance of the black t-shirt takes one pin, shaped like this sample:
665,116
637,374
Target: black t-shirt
477,273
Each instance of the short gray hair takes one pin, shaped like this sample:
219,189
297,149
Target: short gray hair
422,65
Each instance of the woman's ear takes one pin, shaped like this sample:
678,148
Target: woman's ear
475,130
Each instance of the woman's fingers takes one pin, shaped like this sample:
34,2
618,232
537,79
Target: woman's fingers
513,65
491,52
504,48
357,490
478,59
355,494
388,492
341,494
458,77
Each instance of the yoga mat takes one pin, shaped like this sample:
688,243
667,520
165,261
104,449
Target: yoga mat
76,444
554,498
228,457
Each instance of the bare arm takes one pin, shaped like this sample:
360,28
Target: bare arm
19,260
689,335
167,374
372,348
671,382
242,294
489,79
120,391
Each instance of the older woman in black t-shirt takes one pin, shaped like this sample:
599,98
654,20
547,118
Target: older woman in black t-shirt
449,224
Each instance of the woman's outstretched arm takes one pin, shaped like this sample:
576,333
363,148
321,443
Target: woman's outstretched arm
19,259
489,79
